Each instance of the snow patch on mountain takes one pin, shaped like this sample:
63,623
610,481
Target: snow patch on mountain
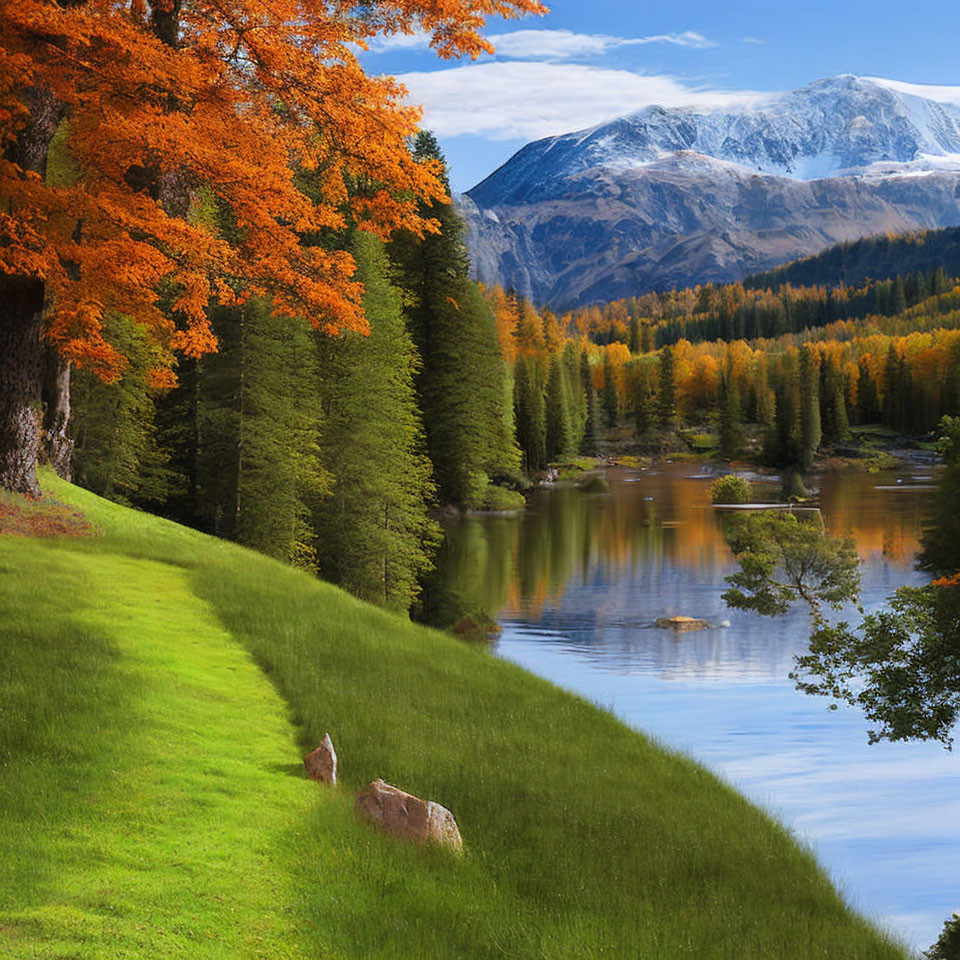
840,126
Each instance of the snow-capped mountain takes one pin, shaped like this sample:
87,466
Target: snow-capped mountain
681,195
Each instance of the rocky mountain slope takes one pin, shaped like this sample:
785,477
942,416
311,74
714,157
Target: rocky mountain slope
671,197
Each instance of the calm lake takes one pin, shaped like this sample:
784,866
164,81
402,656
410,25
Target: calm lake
576,582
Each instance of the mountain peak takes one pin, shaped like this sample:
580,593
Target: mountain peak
670,196
838,125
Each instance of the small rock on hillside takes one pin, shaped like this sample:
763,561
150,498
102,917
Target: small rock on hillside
321,763
408,816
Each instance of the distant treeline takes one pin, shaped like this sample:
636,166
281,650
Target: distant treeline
734,312
801,390
880,257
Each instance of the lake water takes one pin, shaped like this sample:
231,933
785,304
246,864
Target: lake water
576,582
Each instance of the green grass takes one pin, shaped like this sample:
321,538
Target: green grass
157,688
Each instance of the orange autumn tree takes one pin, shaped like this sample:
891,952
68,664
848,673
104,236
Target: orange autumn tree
161,110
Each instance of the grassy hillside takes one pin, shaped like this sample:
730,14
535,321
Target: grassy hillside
157,688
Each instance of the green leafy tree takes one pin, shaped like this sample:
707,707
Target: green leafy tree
118,452
940,546
784,559
947,946
730,489
900,666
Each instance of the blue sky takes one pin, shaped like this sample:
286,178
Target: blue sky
587,62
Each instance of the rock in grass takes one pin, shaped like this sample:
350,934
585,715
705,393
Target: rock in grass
321,763
682,623
407,816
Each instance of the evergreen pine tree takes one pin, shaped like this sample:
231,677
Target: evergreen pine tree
939,284
810,428
461,385
731,420
559,430
898,302
576,394
833,408
766,404
609,394
373,534
258,419
666,391
896,390
117,451
530,415
868,403
589,445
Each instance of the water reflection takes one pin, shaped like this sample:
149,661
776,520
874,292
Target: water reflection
577,580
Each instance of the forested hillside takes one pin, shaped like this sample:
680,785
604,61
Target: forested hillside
880,257
799,365
334,452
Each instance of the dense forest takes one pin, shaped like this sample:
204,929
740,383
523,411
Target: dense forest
335,452
880,257
324,450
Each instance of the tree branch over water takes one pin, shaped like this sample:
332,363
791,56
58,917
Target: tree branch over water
900,666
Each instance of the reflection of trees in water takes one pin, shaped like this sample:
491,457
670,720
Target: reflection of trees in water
524,562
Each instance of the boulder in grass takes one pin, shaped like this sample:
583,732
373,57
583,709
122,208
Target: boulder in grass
321,763
682,623
405,815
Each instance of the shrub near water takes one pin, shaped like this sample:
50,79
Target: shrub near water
730,489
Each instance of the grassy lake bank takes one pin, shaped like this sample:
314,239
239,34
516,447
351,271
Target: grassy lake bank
158,687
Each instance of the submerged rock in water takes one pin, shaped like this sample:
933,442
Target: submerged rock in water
594,484
321,763
407,816
682,623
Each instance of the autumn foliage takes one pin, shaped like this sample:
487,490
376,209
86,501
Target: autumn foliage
44,517
159,157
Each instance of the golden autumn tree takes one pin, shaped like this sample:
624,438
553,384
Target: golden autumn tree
164,112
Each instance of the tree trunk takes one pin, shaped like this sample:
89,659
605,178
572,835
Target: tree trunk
58,447
21,367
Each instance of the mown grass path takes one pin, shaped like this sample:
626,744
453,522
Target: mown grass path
157,688
145,798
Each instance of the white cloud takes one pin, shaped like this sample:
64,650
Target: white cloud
557,44
524,100
418,40
755,40
548,44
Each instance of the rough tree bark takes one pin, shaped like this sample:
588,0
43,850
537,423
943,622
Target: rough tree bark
57,446
23,355
21,367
